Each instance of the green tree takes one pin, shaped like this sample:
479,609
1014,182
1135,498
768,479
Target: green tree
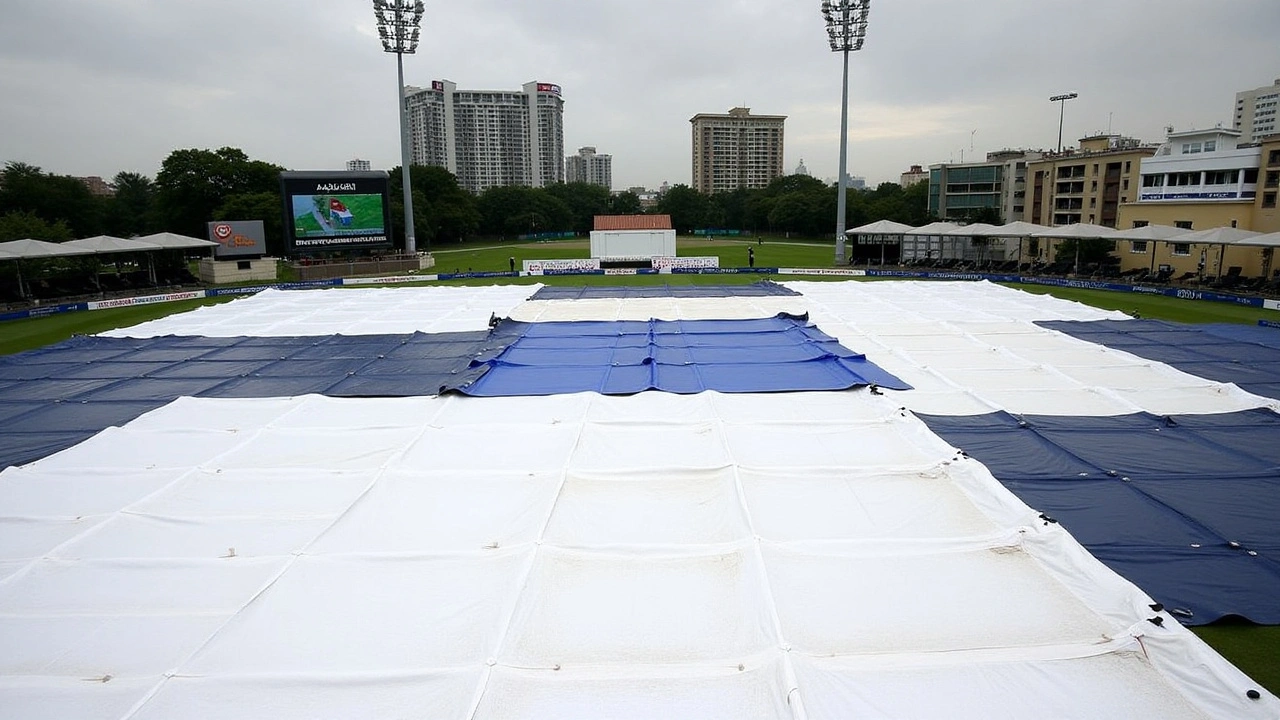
26,188
442,210
584,201
193,184
23,225
519,210
625,203
131,210
686,206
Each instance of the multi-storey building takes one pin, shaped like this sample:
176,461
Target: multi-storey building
358,165
1255,112
1086,185
916,174
958,190
489,138
736,150
97,186
1199,180
589,167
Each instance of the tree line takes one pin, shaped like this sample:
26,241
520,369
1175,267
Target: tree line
196,186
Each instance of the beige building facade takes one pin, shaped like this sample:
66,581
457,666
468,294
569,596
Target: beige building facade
736,150
1230,184
1086,185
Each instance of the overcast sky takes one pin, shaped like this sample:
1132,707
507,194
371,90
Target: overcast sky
93,87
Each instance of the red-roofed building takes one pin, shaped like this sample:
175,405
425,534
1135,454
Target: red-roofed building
633,236
633,222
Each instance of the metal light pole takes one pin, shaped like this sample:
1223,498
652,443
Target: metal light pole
398,22
846,29
1062,109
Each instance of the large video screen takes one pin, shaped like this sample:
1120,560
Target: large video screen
335,211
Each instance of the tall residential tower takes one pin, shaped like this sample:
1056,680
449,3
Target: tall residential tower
489,138
589,167
1255,115
736,150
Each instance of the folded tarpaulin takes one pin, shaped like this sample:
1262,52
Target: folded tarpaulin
764,288
783,353
1184,506
1246,355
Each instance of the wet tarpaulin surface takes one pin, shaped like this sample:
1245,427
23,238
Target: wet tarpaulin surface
764,288
1184,506
56,397
1248,356
783,353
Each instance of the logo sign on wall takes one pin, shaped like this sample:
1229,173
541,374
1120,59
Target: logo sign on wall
238,238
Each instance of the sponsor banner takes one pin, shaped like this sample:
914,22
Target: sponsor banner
475,275
1271,305
664,262
573,272
253,289
386,280
620,271
726,271
144,300
538,267
238,238
845,272
43,311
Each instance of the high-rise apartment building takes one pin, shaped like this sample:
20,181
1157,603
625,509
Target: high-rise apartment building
589,167
915,175
736,150
489,138
1255,112
358,165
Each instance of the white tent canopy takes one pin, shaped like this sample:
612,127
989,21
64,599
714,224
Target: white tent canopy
972,230
1150,232
934,228
107,244
880,227
1265,240
28,248
1017,228
175,241
1218,236
1081,231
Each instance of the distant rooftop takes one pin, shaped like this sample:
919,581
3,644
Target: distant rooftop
633,222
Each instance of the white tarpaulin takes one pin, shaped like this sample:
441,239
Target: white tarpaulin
766,556
788,555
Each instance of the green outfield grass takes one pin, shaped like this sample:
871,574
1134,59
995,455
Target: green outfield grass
1254,649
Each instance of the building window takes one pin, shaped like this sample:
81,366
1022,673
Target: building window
1220,177
1152,180
1273,178
1127,164
1184,224
1250,176
1124,184
1273,157
1138,247
1210,145
1181,249
1093,202
1140,223
1268,200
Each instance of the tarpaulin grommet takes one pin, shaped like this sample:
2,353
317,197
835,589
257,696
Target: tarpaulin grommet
1157,620
1253,695
1158,607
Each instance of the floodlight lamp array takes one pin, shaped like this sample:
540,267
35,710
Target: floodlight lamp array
398,24
846,23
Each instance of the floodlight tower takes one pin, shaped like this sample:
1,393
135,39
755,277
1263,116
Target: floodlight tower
1062,109
398,22
846,28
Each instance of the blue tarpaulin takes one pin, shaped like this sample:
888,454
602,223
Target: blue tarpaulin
53,398
1186,507
1246,355
783,353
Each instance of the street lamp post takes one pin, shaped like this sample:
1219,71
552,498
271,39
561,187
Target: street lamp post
846,29
1062,109
398,27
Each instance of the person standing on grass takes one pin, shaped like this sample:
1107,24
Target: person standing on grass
751,257
512,262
